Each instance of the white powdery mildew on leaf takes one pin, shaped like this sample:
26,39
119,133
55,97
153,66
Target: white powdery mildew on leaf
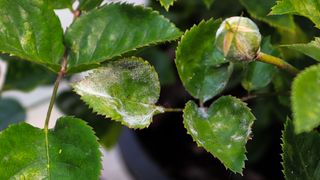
125,90
223,129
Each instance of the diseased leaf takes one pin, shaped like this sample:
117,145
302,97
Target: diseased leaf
223,129
87,5
30,30
208,3
10,112
202,68
125,90
112,30
306,100
258,74
25,76
311,49
61,4
300,155
72,152
106,130
166,3
259,9
307,8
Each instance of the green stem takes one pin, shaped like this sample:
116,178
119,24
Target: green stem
54,93
266,58
52,100
173,110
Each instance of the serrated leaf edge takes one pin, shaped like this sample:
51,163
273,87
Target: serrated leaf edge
138,47
167,6
293,95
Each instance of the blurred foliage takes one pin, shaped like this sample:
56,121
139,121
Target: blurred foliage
25,76
11,112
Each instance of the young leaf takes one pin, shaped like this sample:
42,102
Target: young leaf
311,49
61,4
87,5
208,3
125,90
11,112
258,74
166,3
307,8
259,9
112,30
25,76
223,129
306,100
202,69
300,154
30,30
72,151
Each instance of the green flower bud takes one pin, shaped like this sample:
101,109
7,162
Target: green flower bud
238,38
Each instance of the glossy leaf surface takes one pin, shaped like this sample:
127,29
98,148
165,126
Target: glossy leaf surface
202,68
112,30
30,30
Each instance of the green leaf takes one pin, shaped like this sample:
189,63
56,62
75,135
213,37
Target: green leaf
306,100
259,9
87,5
223,129
25,76
61,4
112,30
10,112
311,49
106,130
258,74
73,152
202,68
300,155
307,8
166,3
208,3
30,30
125,90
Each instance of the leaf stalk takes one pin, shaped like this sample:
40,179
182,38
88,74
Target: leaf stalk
280,63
